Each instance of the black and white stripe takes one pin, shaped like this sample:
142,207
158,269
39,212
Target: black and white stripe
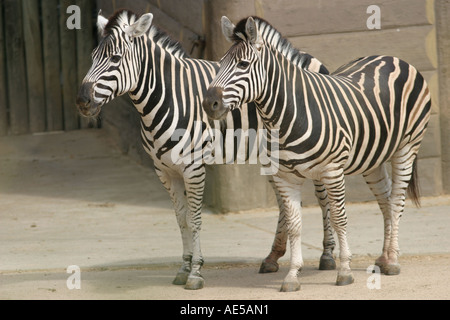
370,111
167,87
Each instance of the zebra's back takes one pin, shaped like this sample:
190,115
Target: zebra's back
394,107
363,113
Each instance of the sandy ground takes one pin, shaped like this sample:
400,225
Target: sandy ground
72,199
422,277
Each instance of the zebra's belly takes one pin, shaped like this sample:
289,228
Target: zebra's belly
298,173
368,159
347,163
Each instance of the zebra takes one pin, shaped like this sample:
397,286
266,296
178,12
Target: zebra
372,110
167,87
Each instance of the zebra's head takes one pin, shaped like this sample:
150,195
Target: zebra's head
241,76
114,70
244,70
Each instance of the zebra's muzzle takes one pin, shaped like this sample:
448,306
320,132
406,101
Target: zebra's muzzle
85,102
213,103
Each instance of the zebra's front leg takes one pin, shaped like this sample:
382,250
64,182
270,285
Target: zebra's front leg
327,261
175,185
270,263
176,189
290,194
334,182
185,269
195,183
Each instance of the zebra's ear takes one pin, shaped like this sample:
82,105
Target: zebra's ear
101,23
227,28
140,27
252,33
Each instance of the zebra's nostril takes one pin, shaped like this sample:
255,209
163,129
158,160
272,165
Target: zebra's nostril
215,106
84,95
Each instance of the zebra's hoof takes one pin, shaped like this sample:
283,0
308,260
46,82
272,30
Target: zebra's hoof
391,269
268,267
180,279
327,262
344,279
194,283
290,286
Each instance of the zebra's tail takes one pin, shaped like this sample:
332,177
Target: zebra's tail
413,187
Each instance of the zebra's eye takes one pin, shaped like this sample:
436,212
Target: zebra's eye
116,59
243,64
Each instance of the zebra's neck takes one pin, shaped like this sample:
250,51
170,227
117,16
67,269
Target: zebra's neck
171,85
282,96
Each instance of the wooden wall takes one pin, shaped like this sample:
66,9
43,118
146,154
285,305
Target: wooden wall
42,63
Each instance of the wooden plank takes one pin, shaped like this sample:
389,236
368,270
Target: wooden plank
50,31
107,7
137,6
334,50
177,32
216,45
188,13
308,17
68,68
3,89
35,70
16,70
85,45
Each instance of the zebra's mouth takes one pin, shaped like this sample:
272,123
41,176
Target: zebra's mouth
86,102
90,109
219,114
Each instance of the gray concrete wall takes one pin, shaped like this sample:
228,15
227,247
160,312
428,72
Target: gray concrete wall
335,32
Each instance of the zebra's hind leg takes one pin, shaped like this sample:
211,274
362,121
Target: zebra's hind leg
327,261
403,179
381,186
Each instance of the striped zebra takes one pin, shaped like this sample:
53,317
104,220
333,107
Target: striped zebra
370,111
167,87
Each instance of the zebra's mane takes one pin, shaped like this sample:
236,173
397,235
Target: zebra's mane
159,36
273,37
115,20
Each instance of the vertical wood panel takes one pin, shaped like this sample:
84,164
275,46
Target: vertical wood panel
442,13
15,55
85,44
35,70
68,68
50,31
3,89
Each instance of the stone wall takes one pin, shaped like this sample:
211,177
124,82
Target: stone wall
333,31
